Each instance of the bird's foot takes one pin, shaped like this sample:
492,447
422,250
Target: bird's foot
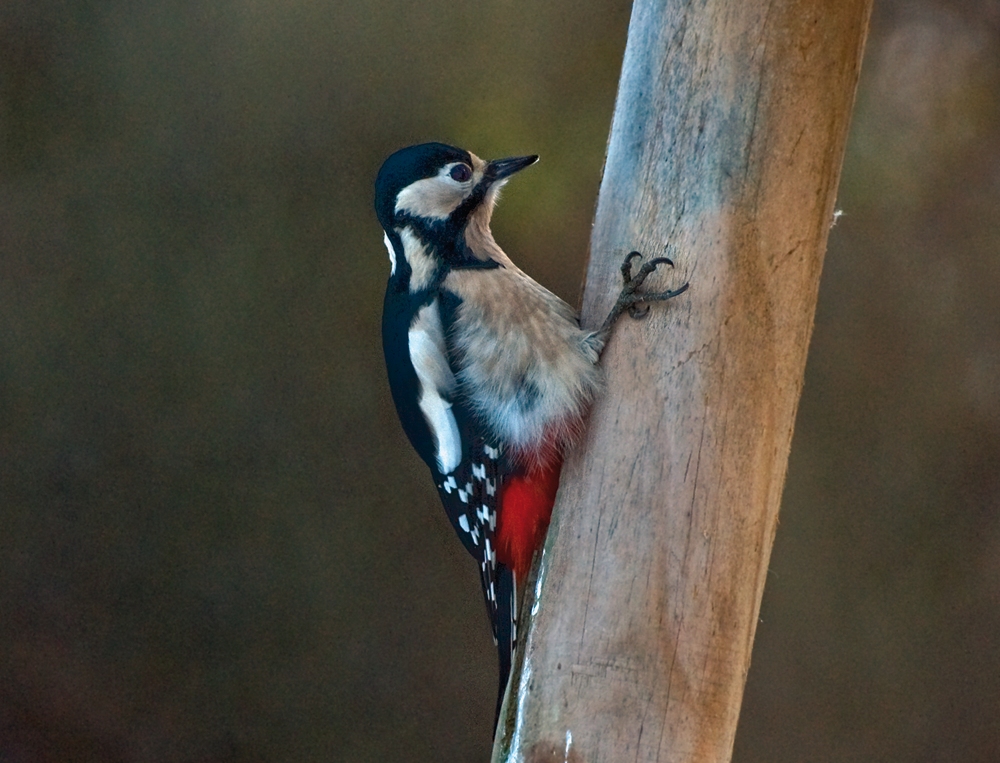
637,303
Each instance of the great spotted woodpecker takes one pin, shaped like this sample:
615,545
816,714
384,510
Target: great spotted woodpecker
490,372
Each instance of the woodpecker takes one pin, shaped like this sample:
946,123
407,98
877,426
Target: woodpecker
490,372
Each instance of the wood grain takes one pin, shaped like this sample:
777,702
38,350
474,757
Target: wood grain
724,155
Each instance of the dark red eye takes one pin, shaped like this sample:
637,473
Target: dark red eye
460,173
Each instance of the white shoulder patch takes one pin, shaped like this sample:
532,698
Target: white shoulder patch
392,252
429,356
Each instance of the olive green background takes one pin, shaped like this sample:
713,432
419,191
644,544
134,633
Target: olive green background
215,543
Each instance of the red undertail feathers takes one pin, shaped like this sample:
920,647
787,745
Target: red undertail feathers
525,509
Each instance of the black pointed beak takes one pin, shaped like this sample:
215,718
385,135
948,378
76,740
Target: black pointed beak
499,169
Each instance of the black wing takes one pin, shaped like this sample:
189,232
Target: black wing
447,437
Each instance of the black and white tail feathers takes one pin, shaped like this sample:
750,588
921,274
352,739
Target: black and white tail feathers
471,499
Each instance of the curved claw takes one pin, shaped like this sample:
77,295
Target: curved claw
662,296
633,282
627,265
646,269
652,264
630,299
638,310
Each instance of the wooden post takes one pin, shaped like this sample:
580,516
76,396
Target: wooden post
724,155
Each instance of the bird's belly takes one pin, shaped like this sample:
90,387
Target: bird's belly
532,395
523,364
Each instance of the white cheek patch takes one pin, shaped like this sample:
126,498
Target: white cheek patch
436,197
430,360
392,253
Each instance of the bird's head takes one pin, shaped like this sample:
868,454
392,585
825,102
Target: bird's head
429,196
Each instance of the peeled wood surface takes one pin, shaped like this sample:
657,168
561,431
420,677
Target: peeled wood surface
725,153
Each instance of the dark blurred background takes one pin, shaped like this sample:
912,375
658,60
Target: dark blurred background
215,543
